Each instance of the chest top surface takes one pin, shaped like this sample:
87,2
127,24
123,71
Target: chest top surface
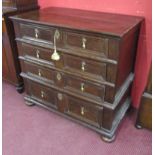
99,22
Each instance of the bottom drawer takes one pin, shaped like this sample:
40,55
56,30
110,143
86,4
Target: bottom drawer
86,112
74,107
43,94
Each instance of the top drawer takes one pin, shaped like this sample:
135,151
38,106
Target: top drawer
40,33
85,42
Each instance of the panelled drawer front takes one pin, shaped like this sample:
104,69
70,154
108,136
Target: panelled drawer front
85,66
84,111
39,33
85,88
45,74
87,42
41,54
39,92
40,72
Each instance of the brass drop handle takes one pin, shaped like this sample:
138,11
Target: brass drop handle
82,111
36,33
58,76
42,94
55,56
39,72
37,54
82,87
84,40
83,64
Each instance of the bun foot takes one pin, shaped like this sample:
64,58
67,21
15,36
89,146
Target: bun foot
108,139
29,103
138,126
20,88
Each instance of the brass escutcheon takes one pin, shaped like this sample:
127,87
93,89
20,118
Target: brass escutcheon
59,96
58,76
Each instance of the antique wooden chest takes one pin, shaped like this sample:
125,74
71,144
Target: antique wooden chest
79,64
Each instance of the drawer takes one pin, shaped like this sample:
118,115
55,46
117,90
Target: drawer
38,33
85,88
43,94
85,66
84,111
39,72
87,43
40,54
47,75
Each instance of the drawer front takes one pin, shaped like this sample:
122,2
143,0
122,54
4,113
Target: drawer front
42,73
87,42
85,66
39,72
45,95
85,88
88,113
39,33
41,54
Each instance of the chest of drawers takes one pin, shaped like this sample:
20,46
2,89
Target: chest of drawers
79,64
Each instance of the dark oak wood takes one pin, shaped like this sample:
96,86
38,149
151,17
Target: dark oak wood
9,71
91,80
19,5
5,67
42,94
74,40
35,32
85,88
11,66
84,111
91,68
105,23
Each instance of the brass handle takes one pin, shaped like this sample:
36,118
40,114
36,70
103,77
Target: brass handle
58,76
39,72
82,87
82,111
55,56
36,33
84,40
59,96
83,64
37,54
42,94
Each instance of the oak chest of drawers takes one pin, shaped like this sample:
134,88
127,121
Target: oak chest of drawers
79,64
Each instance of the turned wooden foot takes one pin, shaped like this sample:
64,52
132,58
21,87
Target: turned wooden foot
20,88
29,103
108,139
138,126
